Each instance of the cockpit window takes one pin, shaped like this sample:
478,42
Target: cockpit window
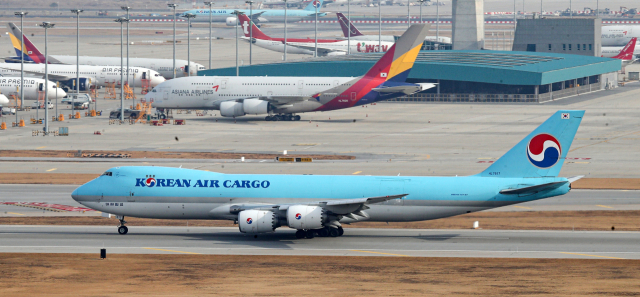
153,91
157,74
107,173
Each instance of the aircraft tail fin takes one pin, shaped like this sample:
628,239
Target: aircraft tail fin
313,4
27,49
541,153
347,25
246,23
627,51
397,62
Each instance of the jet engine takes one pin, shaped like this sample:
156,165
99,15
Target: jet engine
255,106
231,109
85,84
231,21
257,221
305,217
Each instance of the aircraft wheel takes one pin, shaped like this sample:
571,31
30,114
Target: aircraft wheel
288,117
268,118
323,232
300,234
333,232
296,118
123,230
311,234
340,231
163,116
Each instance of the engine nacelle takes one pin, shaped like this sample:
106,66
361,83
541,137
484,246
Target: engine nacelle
305,217
255,106
231,21
257,221
231,109
85,84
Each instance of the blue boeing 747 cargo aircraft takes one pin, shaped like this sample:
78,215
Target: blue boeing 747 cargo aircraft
318,205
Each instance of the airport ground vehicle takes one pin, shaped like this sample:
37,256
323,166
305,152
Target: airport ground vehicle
40,105
80,105
73,97
320,204
128,114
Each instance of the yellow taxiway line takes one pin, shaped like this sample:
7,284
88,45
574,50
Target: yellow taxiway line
380,253
592,256
52,169
172,251
15,213
523,207
357,172
604,206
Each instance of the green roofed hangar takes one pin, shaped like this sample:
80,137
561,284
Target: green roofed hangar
467,76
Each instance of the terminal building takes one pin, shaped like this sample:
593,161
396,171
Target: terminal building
467,75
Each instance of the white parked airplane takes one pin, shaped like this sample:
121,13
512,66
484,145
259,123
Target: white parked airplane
326,47
282,97
162,66
619,35
98,75
11,86
630,49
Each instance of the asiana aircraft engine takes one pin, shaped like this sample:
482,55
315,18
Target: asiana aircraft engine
257,221
303,217
248,106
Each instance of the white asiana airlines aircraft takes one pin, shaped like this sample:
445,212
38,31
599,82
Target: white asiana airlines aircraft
98,75
619,35
281,97
11,86
163,66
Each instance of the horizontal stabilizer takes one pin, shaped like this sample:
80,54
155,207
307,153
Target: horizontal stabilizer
408,89
533,189
370,200
575,178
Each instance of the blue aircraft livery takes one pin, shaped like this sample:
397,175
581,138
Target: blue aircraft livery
318,205
309,10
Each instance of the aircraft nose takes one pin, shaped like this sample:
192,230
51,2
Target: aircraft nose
157,80
76,193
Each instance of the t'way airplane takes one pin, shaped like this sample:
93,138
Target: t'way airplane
326,47
346,24
32,88
626,53
163,66
319,205
282,97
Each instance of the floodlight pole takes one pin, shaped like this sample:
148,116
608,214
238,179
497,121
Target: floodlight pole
189,16
379,25
127,73
349,25
437,22
250,30
421,1
315,54
46,25
173,5
77,12
22,51
122,21
408,14
237,13
285,29
209,3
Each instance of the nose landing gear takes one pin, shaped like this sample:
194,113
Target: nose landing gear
122,229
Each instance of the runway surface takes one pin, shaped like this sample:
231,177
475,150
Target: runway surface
355,242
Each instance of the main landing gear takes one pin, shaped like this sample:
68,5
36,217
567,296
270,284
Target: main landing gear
122,229
282,117
324,232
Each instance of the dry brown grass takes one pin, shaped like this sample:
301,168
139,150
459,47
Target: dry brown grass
223,275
